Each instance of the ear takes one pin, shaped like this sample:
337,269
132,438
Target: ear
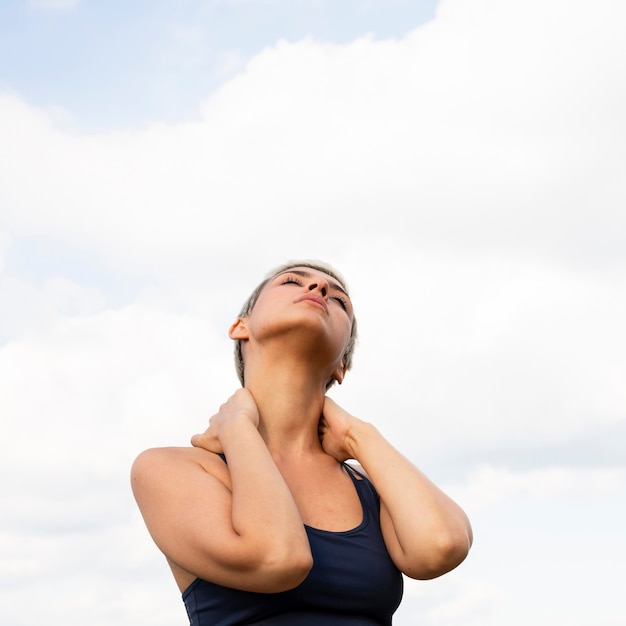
340,372
239,330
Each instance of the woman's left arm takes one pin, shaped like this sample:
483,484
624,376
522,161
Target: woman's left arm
426,532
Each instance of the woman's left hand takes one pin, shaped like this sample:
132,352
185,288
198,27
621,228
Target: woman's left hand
336,431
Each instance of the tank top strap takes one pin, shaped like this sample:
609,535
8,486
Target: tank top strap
364,486
354,473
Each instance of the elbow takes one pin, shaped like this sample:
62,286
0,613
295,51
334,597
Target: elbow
283,561
270,569
266,564
295,571
286,569
450,550
446,551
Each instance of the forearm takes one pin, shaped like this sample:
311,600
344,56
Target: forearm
263,508
431,532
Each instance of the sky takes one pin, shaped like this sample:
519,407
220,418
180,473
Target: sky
461,162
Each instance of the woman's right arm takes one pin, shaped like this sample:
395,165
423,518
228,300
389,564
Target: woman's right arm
239,528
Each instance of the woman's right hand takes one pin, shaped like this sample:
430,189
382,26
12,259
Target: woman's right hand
240,405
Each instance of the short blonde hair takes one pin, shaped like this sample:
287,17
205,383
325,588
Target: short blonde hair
248,305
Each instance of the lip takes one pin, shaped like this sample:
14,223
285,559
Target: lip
317,300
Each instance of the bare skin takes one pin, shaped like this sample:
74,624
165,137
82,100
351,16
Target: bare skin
242,524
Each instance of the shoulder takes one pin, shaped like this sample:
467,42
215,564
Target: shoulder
153,458
159,464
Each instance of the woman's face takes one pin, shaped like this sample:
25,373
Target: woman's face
304,298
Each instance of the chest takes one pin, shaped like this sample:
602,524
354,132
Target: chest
353,582
326,500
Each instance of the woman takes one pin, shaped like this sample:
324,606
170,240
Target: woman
262,521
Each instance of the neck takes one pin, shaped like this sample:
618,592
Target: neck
290,399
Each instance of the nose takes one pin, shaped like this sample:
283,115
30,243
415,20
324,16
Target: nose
319,284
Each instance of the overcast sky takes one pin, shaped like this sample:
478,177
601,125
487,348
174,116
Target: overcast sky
462,163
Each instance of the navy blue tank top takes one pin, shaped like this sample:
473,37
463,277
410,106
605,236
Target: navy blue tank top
353,582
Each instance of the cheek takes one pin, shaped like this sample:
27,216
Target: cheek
346,333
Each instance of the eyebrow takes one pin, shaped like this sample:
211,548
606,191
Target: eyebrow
305,274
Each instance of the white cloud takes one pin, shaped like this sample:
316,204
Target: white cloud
5,242
448,600
489,486
490,132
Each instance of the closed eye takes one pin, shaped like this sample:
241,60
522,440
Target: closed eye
342,301
291,279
